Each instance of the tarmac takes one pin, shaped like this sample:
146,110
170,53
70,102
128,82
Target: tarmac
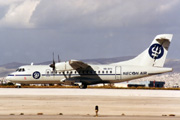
77,104
55,117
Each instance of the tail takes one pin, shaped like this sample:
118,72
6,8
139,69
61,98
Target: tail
155,55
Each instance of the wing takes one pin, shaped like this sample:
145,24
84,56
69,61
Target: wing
84,69
78,65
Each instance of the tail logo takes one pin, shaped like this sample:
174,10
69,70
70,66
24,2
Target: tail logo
156,51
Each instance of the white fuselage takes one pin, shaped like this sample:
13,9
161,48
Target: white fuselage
98,74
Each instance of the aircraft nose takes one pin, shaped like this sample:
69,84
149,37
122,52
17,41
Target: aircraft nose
9,77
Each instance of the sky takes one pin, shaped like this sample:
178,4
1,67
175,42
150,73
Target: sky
31,30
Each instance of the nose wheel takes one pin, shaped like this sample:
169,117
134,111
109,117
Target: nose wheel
17,85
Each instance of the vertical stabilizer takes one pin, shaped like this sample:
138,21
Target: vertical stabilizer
155,55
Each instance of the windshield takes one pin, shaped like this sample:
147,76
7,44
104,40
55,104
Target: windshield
20,70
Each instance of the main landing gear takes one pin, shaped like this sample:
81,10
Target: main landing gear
83,86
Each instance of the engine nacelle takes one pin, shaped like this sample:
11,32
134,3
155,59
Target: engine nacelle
63,66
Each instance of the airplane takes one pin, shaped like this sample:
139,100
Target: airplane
149,62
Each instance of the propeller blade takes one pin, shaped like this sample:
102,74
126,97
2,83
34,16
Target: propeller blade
53,64
53,58
59,59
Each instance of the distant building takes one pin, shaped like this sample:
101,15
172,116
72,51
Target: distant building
136,85
158,84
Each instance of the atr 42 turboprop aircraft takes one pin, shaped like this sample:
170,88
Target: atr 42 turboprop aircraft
149,62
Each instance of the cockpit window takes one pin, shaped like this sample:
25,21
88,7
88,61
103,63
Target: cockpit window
20,70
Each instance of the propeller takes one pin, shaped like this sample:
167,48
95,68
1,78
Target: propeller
53,64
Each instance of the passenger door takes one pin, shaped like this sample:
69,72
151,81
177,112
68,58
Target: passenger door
118,72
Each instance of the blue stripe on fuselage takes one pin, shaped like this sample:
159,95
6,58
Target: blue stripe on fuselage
20,75
62,74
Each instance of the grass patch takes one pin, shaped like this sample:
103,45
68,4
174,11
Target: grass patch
21,114
172,115
39,113
60,113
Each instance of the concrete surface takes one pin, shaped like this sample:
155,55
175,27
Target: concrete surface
57,117
75,103
90,92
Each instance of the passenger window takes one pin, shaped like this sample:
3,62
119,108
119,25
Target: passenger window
99,72
110,71
106,71
102,72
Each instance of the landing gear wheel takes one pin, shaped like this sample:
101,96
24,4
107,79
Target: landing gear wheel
18,86
83,86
